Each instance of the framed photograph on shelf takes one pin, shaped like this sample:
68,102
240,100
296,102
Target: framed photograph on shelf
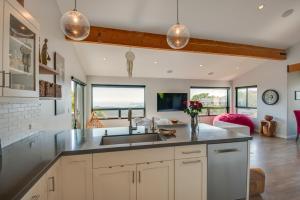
297,95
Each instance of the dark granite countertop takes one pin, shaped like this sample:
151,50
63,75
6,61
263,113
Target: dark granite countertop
24,162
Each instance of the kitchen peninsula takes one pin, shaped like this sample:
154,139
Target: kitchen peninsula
43,165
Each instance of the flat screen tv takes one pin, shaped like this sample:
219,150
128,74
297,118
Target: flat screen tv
171,101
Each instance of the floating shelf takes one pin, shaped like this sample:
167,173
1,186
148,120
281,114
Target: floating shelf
50,98
18,71
47,70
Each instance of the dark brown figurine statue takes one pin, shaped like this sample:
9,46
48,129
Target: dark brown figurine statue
44,54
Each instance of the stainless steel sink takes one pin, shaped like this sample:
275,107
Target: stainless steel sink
135,138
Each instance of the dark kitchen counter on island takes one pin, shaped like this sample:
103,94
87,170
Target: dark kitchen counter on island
24,162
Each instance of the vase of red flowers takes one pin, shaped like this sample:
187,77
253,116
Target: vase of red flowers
193,108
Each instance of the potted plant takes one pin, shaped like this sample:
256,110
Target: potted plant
193,108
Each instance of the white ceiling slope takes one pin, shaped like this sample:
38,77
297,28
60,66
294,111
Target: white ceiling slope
107,60
227,20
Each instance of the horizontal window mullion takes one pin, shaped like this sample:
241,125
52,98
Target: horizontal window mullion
117,109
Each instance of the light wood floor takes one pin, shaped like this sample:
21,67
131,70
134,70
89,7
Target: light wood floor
280,159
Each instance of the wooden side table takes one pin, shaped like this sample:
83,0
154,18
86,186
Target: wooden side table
268,128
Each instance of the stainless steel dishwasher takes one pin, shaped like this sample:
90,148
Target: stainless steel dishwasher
227,171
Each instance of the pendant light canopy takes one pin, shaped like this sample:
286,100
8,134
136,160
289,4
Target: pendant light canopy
75,25
178,35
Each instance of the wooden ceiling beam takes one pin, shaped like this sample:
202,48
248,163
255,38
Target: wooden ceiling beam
293,68
103,35
21,2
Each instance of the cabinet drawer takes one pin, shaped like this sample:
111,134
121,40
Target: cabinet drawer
132,157
190,151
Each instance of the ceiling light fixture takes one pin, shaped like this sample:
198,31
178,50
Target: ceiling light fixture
75,25
156,62
104,59
287,13
201,65
261,6
178,35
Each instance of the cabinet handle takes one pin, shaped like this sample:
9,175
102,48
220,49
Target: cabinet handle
35,197
191,162
226,150
140,179
191,152
52,188
4,78
133,177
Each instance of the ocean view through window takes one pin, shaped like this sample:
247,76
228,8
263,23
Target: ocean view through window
215,100
113,101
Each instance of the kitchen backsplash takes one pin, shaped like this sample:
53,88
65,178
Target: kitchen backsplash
17,121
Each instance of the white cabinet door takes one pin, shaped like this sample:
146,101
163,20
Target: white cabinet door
38,191
190,179
20,52
115,183
155,181
76,175
53,182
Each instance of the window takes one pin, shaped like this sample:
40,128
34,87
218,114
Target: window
215,100
113,101
246,100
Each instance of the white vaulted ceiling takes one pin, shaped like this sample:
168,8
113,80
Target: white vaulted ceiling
227,20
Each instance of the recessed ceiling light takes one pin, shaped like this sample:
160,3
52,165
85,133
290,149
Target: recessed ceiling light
287,13
104,59
210,73
261,6
170,71
201,65
156,62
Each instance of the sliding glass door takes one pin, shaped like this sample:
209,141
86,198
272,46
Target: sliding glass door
77,88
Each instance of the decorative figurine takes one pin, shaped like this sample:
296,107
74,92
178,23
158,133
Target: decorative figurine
44,54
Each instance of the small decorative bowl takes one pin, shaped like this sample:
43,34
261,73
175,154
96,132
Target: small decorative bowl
268,118
174,121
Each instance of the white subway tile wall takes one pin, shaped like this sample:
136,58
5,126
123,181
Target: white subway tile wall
16,121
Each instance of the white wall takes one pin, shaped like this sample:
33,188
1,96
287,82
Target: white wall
270,75
153,86
48,15
293,85
15,118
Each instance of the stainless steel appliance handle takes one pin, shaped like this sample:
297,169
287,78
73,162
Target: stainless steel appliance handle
191,162
226,150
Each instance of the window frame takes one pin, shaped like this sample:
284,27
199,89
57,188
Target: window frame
212,108
118,109
236,97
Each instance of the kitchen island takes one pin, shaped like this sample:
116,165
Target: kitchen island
78,154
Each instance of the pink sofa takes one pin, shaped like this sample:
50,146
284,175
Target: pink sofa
236,119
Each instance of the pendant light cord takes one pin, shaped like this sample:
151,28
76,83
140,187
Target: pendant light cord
177,13
75,5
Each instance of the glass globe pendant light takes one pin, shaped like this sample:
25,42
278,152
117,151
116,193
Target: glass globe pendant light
178,35
75,25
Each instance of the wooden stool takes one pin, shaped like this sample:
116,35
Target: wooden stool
268,128
257,181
